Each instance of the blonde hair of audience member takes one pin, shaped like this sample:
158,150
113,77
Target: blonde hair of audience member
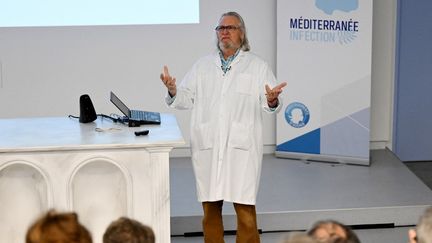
424,229
298,238
331,231
125,230
59,228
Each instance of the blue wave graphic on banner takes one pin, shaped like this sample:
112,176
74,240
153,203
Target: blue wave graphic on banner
329,6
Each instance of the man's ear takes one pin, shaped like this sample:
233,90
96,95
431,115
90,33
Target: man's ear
412,236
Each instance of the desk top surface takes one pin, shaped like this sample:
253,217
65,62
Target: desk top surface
63,133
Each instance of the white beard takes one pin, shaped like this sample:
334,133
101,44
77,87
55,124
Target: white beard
228,45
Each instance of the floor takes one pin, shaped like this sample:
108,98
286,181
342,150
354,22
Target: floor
423,170
294,194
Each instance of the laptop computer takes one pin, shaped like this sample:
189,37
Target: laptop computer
141,117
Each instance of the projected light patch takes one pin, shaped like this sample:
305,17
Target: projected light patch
20,13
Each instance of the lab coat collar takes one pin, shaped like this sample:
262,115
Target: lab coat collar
237,59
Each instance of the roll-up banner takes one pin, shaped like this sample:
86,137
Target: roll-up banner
324,53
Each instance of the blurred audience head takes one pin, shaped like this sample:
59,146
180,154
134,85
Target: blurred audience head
423,234
125,230
331,231
58,228
298,238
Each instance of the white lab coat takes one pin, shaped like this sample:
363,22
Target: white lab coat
226,125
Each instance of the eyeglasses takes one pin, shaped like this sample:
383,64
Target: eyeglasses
230,28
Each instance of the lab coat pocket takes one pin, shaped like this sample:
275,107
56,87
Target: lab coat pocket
239,137
205,136
244,84
206,86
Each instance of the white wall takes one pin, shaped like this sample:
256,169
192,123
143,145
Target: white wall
383,58
45,70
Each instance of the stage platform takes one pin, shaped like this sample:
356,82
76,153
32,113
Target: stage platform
294,194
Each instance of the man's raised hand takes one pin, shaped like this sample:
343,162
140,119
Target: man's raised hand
169,81
272,94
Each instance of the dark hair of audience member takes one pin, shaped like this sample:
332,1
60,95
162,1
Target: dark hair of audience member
125,230
336,232
59,228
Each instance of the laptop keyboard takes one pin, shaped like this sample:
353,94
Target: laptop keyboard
141,115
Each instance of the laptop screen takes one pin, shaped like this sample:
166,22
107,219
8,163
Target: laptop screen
117,102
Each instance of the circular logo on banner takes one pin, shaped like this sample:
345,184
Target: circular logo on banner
297,114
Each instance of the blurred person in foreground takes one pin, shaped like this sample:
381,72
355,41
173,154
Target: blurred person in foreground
298,238
332,231
125,230
59,228
423,231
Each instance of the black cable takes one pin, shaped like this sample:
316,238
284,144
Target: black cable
109,117
122,120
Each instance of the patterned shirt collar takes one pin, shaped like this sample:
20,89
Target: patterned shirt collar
226,63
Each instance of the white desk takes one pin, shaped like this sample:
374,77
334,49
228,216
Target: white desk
63,164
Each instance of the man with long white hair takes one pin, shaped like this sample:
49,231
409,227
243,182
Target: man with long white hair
227,92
